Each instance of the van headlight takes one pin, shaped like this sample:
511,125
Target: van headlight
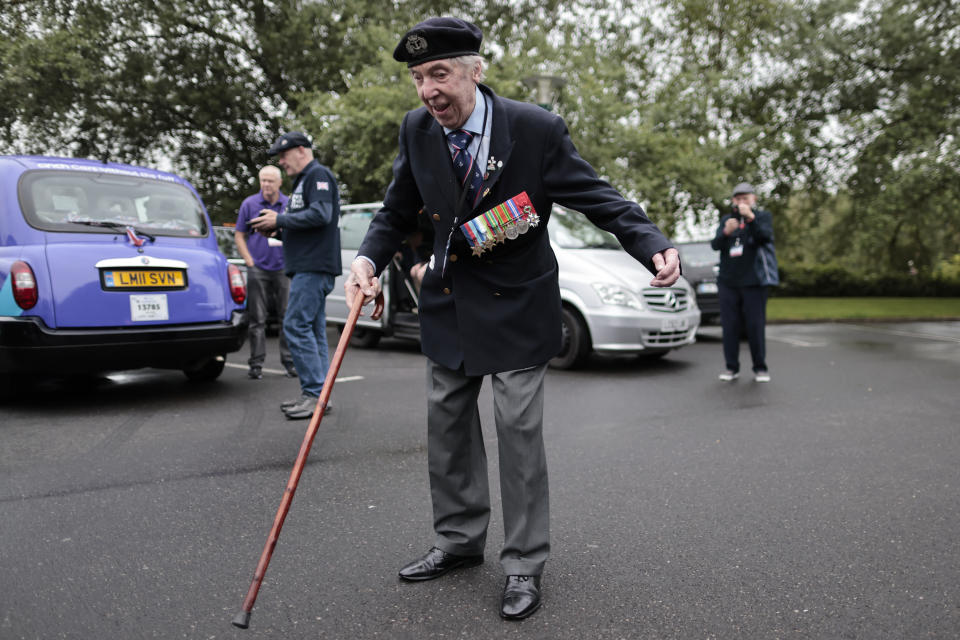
616,295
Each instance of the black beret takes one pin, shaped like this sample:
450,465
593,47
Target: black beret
438,38
289,140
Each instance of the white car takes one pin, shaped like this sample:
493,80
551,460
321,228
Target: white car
609,306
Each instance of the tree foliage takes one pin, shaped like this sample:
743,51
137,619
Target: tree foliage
844,113
203,86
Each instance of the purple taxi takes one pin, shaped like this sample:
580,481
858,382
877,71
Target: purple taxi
107,267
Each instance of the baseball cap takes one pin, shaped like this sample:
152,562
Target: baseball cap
289,140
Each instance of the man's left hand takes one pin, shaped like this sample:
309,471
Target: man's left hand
667,264
265,222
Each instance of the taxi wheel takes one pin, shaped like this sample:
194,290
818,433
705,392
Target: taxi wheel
575,345
11,386
206,371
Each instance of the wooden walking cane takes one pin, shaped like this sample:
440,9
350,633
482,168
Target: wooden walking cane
242,619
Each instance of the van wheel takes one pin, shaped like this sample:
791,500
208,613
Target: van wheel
363,338
575,345
207,370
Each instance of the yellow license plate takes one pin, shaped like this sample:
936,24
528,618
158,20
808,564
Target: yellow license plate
143,279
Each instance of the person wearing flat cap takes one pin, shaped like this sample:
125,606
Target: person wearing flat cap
311,257
486,171
748,265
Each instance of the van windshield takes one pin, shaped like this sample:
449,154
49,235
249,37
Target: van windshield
571,230
86,202
698,254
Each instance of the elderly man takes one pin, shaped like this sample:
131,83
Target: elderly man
487,170
265,276
311,255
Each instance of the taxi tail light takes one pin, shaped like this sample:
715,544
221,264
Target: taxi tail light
25,292
238,289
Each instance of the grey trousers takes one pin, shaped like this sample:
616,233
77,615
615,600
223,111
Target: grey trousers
458,465
260,285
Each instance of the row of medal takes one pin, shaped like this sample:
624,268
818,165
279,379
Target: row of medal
506,221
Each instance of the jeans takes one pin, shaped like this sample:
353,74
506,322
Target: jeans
261,286
744,309
305,326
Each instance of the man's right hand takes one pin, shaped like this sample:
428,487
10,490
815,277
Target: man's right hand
362,281
731,225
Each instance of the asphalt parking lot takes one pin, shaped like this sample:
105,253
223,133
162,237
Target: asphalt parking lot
820,505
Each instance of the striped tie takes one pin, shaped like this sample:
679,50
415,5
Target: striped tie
464,166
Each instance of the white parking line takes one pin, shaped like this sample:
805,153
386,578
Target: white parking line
797,342
282,373
908,334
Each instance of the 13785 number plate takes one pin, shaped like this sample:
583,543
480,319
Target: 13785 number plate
148,307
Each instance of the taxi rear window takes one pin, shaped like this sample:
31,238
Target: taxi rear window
96,203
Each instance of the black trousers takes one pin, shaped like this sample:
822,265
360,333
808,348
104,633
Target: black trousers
260,285
744,310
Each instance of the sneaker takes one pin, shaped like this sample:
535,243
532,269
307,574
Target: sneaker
255,373
286,404
303,409
729,376
761,376
291,371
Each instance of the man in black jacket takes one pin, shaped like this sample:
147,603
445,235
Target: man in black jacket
743,295
486,171
311,256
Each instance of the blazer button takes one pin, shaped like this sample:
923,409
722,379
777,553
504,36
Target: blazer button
436,216
453,257
446,290
496,293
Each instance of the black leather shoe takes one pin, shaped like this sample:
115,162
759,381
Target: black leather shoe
255,373
521,597
435,563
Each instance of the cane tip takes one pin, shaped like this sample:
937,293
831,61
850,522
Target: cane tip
242,620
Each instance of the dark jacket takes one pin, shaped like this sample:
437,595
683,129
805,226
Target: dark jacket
742,271
308,227
499,311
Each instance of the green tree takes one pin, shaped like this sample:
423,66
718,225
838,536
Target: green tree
619,112
861,129
201,86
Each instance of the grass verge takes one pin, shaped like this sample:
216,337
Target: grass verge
827,309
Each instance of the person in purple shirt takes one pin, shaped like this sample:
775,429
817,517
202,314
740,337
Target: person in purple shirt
265,273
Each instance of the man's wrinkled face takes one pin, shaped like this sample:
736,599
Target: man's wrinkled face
269,184
447,89
293,160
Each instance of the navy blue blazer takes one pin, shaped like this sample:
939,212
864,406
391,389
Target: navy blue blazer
499,311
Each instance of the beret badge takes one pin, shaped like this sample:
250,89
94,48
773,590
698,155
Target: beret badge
416,45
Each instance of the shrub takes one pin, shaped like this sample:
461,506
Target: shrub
834,280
